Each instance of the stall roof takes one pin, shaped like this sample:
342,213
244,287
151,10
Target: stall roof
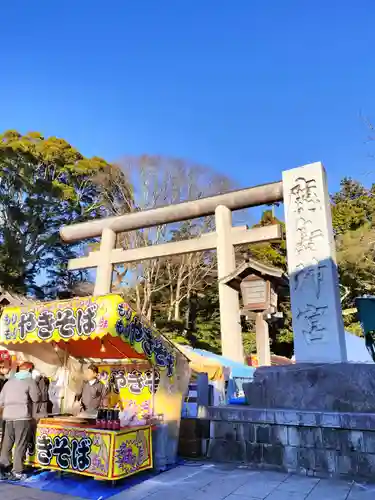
201,364
237,369
87,327
14,299
205,361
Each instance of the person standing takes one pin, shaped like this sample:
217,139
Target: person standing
43,407
18,397
4,374
93,391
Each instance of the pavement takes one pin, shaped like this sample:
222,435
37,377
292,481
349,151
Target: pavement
198,481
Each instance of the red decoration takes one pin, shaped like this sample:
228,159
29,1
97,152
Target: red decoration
4,355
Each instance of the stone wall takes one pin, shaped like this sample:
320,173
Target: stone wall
305,442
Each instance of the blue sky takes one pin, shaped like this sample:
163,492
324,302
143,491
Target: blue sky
248,87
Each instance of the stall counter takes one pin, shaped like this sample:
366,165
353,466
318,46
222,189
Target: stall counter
102,454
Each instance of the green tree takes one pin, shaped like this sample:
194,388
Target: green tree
44,184
272,253
206,321
353,206
353,210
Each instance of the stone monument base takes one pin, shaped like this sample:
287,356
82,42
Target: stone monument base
336,387
322,444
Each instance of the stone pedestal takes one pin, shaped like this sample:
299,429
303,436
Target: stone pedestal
336,387
322,444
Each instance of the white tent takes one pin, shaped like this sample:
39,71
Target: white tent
356,349
66,374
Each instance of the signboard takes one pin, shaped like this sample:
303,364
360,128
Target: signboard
92,452
273,297
132,453
132,386
255,293
86,318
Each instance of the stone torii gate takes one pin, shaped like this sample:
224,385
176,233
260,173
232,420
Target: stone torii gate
317,323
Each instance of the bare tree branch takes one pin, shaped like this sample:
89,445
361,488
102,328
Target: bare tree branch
159,181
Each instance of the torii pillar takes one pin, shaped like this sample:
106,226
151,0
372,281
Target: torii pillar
230,319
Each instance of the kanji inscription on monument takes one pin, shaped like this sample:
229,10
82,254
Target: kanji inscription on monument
316,310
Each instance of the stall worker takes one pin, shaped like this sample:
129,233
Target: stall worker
44,407
93,391
17,399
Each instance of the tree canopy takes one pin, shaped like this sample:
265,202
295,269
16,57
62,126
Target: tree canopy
44,184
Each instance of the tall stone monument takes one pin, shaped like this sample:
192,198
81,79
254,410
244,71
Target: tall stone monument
321,379
314,289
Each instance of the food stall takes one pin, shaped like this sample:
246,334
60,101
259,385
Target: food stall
142,369
216,374
225,376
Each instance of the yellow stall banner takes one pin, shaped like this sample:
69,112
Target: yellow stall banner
92,452
131,386
132,453
78,319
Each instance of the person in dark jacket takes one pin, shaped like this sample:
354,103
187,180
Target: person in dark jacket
43,408
4,373
17,398
93,391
